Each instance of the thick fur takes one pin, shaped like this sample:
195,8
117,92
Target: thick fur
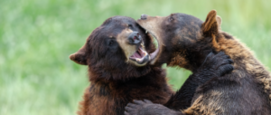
215,65
114,81
110,98
245,91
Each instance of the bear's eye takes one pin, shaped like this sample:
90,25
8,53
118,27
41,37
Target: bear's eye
130,26
110,43
171,19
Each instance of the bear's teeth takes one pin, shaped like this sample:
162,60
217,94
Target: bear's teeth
142,45
146,32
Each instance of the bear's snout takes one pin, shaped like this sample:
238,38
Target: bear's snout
134,38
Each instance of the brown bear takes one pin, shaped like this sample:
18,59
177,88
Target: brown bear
186,40
118,55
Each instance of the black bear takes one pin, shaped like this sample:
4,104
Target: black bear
118,55
186,41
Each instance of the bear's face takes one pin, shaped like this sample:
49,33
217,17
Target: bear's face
118,46
180,35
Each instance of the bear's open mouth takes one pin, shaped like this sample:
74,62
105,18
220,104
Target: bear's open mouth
154,55
140,56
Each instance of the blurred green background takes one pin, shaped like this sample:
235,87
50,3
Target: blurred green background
37,36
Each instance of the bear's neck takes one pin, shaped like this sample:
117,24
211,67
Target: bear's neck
153,83
117,73
114,77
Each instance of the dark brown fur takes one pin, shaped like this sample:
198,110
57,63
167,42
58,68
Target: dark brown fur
116,80
111,97
187,40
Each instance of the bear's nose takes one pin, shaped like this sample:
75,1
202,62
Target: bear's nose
134,38
143,17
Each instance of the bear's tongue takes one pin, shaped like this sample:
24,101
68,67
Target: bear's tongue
138,54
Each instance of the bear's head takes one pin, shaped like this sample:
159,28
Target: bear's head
117,50
184,39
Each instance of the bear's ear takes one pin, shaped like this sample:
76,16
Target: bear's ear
80,56
211,24
219,21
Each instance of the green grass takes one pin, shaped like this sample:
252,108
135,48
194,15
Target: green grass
37,36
